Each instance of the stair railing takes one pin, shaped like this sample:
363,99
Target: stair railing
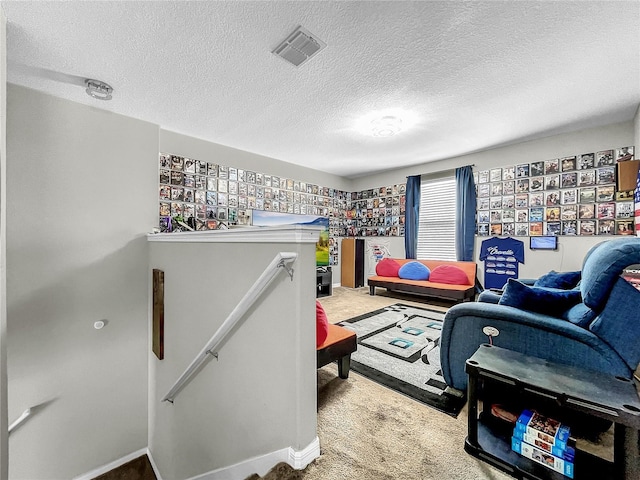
281,260
20,420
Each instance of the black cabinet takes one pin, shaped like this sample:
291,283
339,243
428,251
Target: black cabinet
323,282
557,391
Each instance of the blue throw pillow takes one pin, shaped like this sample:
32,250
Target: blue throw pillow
538,299
414,271
580,315
562,280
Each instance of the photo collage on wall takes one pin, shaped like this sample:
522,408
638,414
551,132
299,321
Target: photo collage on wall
377,212
196,195
573,195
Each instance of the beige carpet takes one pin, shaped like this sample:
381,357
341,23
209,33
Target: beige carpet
369,432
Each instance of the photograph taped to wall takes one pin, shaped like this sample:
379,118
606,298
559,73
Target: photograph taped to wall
606,211
587,195
508,201
189,180
522,170
177,163
624,154
586,211
536,214
552,199
570,227
604,158
569,196
551,166
552,228
189,165
508,188
552,182
567,164
536,169
536,184
522,229
625,210
522,185
624,227
522,215
552,214
535,228
606,227
522,200
586,161
177,193
536,199
587,227
605,193
605,175
568,180
508,229
508,173
569,212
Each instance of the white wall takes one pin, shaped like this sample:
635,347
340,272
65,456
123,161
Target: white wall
178,144
636,132
572,249
260,395
4,448
80,190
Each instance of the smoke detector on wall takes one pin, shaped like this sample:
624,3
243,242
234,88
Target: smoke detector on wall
98,89
299,47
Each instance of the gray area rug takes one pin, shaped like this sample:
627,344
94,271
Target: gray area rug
399,347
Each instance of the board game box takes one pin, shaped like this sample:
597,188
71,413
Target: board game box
543,428
552,462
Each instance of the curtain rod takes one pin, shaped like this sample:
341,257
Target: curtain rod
442,171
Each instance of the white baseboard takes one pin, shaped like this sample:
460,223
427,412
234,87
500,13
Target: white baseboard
261,465
153,465
115,464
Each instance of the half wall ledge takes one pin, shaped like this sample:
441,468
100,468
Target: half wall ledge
286,234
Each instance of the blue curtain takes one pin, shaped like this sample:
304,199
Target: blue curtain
412,209
465,213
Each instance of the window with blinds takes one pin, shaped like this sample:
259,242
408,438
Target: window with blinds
436,227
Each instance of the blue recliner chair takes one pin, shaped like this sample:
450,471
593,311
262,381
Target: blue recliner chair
601,333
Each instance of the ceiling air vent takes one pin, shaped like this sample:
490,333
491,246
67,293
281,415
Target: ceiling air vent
299,47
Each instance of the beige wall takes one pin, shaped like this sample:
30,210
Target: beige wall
4,447
259,396
572,249
80,190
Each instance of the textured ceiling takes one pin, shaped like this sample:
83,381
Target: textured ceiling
469,75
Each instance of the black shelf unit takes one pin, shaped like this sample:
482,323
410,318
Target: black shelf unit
324,286
559,391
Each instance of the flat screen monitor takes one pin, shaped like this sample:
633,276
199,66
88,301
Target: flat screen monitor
547,242
264,219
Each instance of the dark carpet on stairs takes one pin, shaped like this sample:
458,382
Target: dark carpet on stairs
138,469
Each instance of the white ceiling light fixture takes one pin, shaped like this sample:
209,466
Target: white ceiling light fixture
386,126
98,89
299,47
